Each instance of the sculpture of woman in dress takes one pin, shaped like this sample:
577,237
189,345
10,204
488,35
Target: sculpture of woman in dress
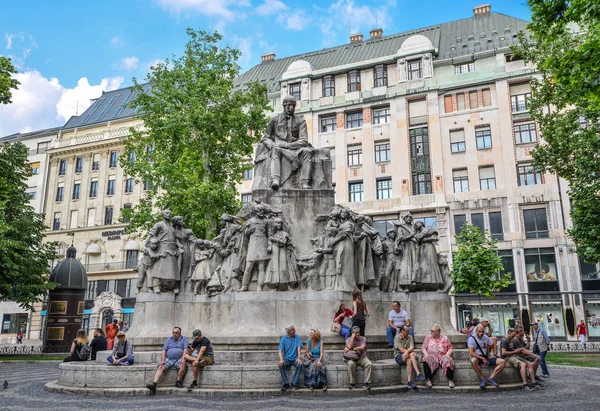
427,274
407,246
281,271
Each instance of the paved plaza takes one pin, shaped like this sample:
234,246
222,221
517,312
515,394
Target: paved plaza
567,389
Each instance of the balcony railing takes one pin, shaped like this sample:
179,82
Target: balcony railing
112,266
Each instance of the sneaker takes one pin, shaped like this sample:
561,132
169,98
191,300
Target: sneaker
366,386
178,384
429,384
285,387
545,375
492,382
294,388
194,384
527,387
420,377
538,386
152,388
482,384
390,345
352,386
412,385
451,384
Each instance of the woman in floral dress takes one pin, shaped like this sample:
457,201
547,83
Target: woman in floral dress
437,353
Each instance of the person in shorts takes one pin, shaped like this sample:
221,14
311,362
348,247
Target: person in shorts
404,349
199,354
479,347
526,354
511,356
170,357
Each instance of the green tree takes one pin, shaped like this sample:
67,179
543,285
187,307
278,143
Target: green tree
24,258
563,43
476,267
7,83
198,135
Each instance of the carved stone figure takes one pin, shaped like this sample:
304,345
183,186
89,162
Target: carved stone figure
427,275
149,258
445,270
365,270
389,279
282,271
186,237
255,247
407,246
330,259
231,244
202,266
344,248
284,150
165,272
401,71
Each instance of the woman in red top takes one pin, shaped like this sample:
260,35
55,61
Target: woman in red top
339,315
582,331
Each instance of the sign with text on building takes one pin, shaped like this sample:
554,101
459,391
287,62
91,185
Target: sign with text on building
113,234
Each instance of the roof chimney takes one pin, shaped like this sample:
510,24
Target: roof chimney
268,57
376,33
482,10
356,38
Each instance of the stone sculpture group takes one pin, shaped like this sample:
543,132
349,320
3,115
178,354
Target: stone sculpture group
257,245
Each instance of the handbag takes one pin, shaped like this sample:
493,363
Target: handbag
350,356
335,327
347,322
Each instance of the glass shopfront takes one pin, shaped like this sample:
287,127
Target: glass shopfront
501,316
551,318
592,314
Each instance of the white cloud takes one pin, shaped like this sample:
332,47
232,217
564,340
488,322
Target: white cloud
21,44
117,41
270,7
129,63
296,21
41,103
244,45
221,8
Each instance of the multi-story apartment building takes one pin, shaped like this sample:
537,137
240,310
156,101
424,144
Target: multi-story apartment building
14,317
435,121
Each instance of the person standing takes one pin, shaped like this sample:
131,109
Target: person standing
542,342
361,311
397,318
290,348
99,343
111,331
582,331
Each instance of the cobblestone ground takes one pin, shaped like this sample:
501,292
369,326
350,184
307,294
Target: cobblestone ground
568,389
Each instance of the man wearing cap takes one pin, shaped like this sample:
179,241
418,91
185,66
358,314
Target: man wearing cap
290,348
200,354
111,331
170,357
542,342
122,353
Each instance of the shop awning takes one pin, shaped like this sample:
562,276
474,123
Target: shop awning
546,302
93,249
132,245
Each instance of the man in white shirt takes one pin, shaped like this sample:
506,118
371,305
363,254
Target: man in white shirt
396,319
479,350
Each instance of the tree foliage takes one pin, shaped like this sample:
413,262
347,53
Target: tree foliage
198,135
7,83
476,267
563,44
23,258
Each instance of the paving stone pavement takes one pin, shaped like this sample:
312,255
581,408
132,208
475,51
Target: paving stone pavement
577,389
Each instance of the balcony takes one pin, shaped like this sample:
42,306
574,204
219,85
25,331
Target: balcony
113,266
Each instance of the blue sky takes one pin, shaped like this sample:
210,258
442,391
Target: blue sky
68,51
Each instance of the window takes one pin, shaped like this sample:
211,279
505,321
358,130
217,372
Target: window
248,173
74,217
384,189
381,115
457,141
496,230
487,97
355,191
464,68
91,217
108,215
328,124
487,178
246,198
380,75
459,220
588,271
56,222
62,167
113,159
421,183
129,183
354,119
132,157
460,102
94,188
96,162
78,164
419,153
125,215
353,80
477,221
147,185
131,260
383,226
520,102
483,137
536,223
328,86
150,152
42,147
35,168
473,102
76,190
32,193
415,69
540,264
525,133
506,259
428,221
528,175
60,191
448,108
354,156
461,181
295,91
110,188
417,112
382,152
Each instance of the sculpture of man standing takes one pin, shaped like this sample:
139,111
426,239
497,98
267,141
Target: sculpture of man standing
286,144
256,245
166,272
407,246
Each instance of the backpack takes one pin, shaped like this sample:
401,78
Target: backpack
84,352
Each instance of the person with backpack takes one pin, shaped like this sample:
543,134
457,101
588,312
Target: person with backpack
80,349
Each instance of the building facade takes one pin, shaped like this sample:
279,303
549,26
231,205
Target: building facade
435,122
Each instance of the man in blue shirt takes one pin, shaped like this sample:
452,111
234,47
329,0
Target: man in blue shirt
290,347
170,357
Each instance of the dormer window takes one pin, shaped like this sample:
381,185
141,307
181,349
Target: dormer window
415,69
464,68
353,80
380,75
